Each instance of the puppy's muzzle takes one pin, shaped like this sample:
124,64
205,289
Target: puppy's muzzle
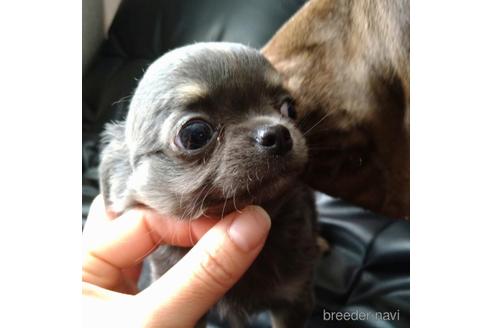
274,139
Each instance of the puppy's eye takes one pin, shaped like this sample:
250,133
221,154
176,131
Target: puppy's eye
194,135
287,109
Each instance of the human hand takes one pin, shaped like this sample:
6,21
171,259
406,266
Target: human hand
114,249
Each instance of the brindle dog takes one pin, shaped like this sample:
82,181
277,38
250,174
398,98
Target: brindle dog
347,65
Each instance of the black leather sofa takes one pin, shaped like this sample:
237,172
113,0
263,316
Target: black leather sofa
365,277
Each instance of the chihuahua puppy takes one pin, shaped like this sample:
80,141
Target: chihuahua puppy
210,129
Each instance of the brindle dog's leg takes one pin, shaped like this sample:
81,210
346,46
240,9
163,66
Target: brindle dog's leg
296,314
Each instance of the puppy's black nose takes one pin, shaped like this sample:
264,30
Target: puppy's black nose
274,139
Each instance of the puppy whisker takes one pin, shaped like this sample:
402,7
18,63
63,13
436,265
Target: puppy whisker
316,124
223,209
122,100
190,234
205,197
198,197
234,201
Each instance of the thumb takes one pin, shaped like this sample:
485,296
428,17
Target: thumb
189,289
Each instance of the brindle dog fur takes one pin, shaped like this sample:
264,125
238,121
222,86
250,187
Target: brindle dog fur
347,64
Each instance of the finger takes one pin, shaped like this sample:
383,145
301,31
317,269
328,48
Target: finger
133,273
104,308
97,214
125,241
178,232
131,276
184,293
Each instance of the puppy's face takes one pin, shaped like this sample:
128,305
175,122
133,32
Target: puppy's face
347,65
211,129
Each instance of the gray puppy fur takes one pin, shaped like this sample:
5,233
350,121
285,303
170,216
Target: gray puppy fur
245,149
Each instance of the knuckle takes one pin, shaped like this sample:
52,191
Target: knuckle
216,271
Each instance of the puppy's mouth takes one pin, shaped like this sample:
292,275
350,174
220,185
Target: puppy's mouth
255,194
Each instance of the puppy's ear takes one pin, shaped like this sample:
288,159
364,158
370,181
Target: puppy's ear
114,168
